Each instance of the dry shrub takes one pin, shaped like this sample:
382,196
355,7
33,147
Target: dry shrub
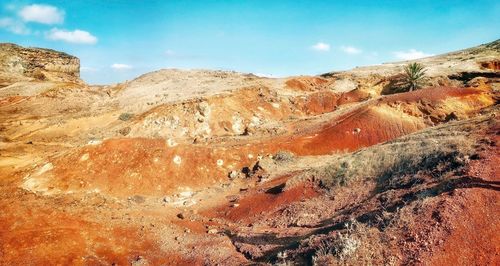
125,116
358,245
283,157
441,148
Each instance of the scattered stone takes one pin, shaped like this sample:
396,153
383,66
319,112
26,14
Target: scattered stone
139,261
177,159
237,125
356,130
138,199
451,116
204,109
94,142
212,231
235,205
232,198
84,157
186,194
167,199
233,175
171,143
180,216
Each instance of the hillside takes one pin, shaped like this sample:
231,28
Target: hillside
206,167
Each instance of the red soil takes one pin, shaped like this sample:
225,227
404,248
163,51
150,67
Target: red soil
11,100
306,83
475,236
327,101
256,203
126,167
44,232
366,126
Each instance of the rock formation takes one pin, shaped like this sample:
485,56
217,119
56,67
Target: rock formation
36,64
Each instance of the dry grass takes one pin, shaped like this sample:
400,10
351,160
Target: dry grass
358,245
283,157
440,148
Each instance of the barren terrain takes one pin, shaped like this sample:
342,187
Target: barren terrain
207,167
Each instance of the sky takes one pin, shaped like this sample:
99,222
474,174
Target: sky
118,40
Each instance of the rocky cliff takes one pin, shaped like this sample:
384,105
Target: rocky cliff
25,64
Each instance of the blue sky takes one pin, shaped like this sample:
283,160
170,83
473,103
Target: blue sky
118,40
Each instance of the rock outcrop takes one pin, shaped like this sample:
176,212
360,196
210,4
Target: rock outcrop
26,64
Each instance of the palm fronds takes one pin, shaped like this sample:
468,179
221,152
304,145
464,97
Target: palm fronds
414,76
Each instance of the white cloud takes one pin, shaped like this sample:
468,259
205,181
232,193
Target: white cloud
350,50
13,26
117,66
76,36
264,75
170,53
321,46
44,14
411,54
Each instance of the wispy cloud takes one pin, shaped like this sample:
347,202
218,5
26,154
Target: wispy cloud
118,66
411,54
14,26
321,46
44,14
350,50
76,36
170,53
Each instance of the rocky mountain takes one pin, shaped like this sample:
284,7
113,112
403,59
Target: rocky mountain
36,64
206,167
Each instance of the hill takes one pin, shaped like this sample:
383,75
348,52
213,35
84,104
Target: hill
340,168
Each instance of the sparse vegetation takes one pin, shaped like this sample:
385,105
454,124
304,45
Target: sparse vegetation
445,148
340,248
414,76
125,116
283,156
38,74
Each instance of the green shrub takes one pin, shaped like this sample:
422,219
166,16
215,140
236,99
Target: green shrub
414,76
125,116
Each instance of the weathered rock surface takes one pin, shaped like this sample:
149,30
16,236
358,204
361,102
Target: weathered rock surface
25,64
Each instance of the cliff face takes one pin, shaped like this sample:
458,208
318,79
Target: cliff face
26,64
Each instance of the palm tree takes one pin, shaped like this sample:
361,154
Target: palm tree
414,76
